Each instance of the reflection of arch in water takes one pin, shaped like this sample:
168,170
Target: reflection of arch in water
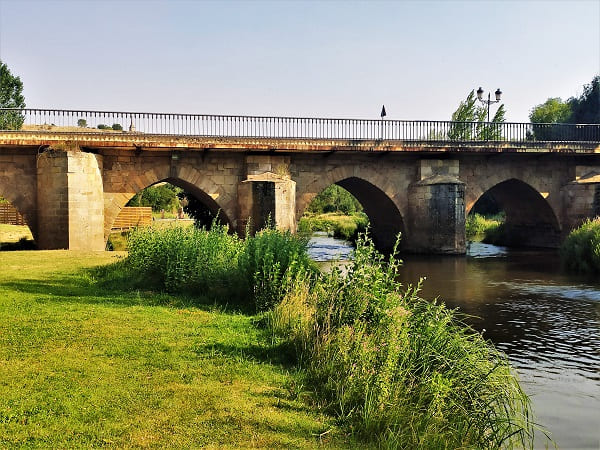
530,219
384,216
210,201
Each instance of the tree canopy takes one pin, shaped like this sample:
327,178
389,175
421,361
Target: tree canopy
582,109
11,96
469,111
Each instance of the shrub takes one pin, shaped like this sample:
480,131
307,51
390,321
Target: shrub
341,226
117,127
269,259
482,228
188,260
580,252
82,123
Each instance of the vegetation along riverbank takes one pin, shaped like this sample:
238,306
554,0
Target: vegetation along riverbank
199,338
393,369
580,252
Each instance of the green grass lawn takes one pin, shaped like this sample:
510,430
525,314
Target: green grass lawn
83,364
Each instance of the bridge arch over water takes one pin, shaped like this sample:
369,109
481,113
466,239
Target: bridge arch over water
530,218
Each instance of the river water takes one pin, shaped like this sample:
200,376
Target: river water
546,321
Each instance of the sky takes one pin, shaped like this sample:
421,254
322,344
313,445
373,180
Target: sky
299,58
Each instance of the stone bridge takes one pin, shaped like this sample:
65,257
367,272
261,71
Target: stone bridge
71,186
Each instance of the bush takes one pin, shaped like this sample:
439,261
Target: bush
82,123
188,260
117,127
341,226
483,228
103,127
269,260
580,252
397,369
217,264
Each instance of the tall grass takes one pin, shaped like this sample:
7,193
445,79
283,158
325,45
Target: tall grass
398,369
580,252
484,228
216,264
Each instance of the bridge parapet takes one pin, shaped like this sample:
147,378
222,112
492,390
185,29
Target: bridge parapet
309,128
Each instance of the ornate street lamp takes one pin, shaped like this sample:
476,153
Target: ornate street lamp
488,102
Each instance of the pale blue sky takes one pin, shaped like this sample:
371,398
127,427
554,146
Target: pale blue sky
329,59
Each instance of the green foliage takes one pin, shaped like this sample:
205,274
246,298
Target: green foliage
469,121
217,264
117,127
553,110
547,117
203,216
334,199
341,226
399,370
482,228
586,107
580,252
82,123
188,260
268,260
159,197
11,96
103,127
550,115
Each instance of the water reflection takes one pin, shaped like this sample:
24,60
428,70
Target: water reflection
546,321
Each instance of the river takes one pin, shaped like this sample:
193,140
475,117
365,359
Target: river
546,321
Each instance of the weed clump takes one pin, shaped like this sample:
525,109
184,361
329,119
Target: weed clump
580,252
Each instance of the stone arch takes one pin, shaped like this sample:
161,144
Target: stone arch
379,197
19,187
200,184
531,220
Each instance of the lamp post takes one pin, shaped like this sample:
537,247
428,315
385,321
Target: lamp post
488,102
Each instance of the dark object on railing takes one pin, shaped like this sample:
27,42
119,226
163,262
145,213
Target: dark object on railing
290,127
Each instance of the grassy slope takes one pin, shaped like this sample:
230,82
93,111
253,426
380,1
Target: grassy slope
83,366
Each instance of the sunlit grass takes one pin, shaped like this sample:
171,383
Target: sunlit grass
84,365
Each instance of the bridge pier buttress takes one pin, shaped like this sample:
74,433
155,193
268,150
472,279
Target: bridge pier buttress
436,209
70,199
267,193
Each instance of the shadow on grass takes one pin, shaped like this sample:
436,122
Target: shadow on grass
22,244
115,284
281,354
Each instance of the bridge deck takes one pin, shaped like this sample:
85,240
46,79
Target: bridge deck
165,142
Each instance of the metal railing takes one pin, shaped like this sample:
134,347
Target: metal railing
289,127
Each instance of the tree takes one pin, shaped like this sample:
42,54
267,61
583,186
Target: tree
552,111
11,96
549,117
469,121
82,123
586,107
